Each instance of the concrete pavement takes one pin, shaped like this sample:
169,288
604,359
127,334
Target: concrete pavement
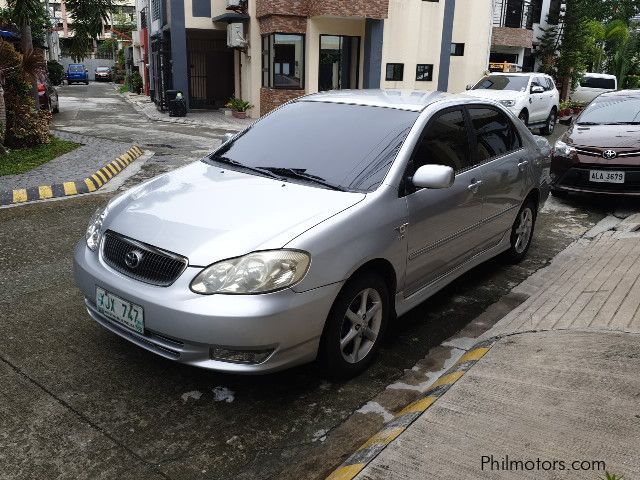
559,384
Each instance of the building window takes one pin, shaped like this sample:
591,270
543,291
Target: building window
457,49
155,9
395,72
424,72
283,61
201,8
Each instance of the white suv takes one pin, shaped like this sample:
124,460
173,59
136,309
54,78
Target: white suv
533,97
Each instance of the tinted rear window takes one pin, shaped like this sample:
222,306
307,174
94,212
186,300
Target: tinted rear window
494,132
595,82
76,68
103,69
349,146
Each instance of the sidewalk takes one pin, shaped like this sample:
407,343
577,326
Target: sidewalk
210,118
557,381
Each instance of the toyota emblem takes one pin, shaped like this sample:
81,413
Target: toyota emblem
609,154
133,258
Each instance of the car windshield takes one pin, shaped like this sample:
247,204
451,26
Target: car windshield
76,68
598,82
339,146
503,82
613,110
102,69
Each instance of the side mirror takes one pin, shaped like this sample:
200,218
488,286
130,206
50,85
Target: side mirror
469,87
226,137
537,89
434,176
566,120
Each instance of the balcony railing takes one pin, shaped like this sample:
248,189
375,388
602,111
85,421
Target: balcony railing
512,14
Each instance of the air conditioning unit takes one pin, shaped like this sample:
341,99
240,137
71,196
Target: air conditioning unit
235,4
235,35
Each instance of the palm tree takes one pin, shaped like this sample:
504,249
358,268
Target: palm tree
21,12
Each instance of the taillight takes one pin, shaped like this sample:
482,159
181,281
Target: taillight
42,88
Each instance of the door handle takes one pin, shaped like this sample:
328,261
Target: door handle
522,165
474,186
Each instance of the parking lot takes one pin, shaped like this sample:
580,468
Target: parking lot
80,402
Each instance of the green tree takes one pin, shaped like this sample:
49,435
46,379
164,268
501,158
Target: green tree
89,16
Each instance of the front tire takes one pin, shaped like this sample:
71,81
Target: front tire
522,232
550,125
524,117
355,326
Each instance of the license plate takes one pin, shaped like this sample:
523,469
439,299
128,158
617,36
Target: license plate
606,176
115,308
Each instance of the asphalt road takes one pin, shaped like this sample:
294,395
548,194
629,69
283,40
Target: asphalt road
79,402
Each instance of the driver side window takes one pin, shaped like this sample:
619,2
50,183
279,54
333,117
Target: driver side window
444,142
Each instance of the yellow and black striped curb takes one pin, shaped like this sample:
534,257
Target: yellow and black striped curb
376,444
74,187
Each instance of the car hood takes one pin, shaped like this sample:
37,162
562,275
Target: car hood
495,94
208,213
604,136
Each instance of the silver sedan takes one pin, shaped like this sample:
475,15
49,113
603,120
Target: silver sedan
303,236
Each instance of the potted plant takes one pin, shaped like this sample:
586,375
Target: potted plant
136,82
239,107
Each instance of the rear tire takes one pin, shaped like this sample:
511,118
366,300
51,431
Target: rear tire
522,232
550,124
355,326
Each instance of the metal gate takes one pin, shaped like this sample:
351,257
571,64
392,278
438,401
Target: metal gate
211,70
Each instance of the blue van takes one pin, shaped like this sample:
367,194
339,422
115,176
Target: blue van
77,73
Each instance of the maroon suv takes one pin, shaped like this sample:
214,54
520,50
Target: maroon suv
601,151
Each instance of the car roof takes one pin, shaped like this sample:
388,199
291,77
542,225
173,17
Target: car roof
410,100
621,93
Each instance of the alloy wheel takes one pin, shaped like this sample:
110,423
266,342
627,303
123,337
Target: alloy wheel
361,325
551,123
523,230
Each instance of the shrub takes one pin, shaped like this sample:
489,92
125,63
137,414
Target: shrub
56,72
238,105
135,82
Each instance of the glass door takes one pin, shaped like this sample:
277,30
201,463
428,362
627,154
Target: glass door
339,62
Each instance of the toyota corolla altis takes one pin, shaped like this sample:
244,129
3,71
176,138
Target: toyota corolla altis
301,237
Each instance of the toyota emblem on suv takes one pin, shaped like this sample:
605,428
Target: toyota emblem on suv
609,154
133,258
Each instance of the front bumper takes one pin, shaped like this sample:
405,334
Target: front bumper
574,177
181,325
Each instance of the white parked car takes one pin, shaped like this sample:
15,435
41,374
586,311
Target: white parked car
592,85
533,97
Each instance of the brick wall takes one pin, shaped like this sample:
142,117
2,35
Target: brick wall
271,98
283,24
376,9
512,37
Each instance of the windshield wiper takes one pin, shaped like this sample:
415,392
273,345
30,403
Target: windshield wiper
588,123
300,174
624,123
235,163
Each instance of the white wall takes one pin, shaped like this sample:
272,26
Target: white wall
412,35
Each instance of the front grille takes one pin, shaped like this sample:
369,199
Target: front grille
578,177
154,266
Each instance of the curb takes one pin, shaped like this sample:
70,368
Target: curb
369,450
74,187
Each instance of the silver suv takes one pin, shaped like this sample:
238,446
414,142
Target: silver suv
304,235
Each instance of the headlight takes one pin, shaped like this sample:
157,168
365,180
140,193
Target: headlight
258,272
508,103
94,230
562,149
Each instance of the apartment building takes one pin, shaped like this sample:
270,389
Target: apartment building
517,27
287,48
